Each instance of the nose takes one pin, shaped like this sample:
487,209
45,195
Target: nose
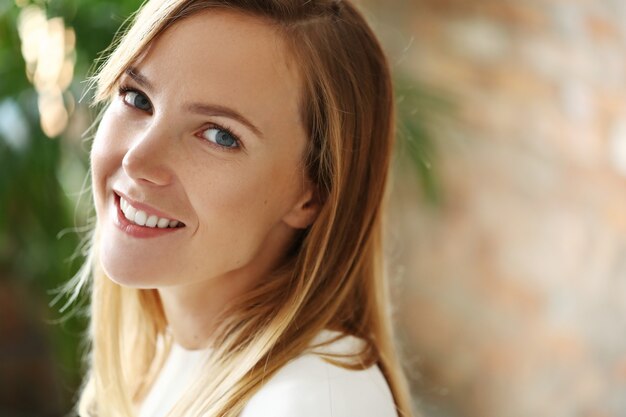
148,159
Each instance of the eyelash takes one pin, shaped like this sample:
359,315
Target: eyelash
124,89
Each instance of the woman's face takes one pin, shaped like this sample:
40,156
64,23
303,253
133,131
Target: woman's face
205,132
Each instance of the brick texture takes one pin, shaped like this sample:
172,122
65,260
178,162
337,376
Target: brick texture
511,294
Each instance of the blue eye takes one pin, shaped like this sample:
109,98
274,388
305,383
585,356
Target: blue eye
137,100
221,137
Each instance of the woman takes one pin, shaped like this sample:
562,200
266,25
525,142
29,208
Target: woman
238,172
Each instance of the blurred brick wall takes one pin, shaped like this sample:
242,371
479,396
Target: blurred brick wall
513,291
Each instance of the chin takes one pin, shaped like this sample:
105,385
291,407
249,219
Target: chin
132,274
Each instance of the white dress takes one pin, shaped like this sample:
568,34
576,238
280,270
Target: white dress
307,386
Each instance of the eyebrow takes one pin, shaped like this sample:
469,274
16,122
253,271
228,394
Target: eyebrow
198,108
140,79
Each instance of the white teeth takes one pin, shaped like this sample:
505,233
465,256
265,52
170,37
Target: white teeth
152,221
130,212
141,218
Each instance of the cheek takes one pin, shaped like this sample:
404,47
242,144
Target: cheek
104,157
246,203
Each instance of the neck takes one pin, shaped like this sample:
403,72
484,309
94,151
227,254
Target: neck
193,310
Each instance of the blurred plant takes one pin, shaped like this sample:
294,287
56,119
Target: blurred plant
417,111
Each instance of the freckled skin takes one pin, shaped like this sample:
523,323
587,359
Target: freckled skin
241,207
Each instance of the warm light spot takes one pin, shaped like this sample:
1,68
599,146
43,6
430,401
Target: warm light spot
53,115
66,74
51,56
48,48
70,39
32,28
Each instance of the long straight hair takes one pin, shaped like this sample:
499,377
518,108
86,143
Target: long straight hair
333,277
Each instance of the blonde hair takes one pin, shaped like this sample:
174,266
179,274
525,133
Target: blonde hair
333,277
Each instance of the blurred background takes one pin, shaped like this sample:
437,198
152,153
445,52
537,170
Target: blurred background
506,233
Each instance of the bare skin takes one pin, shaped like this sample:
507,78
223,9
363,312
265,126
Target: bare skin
240,196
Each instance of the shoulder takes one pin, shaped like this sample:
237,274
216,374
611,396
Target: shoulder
309,386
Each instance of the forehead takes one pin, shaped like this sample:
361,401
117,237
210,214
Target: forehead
226,57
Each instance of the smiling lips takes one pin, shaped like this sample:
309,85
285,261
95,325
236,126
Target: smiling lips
141,218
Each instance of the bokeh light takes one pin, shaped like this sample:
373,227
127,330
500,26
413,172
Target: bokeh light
48,48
